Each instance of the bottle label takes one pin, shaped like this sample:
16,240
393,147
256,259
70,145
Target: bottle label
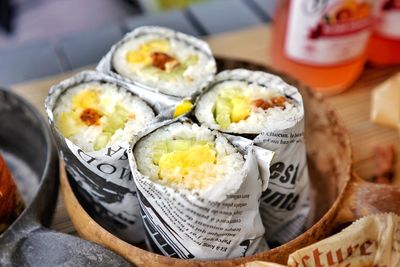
327,32
388,22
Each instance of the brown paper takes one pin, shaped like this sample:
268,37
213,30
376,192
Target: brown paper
385,108
262,264
370,241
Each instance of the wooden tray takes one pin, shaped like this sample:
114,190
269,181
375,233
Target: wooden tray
341,196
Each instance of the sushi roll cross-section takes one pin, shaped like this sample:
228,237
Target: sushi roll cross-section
96,115
245,107
188,156
172,63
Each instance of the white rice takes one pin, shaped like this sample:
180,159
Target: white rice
193,78
259,119
110,95
227,173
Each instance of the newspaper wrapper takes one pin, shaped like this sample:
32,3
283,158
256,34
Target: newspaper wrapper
285,204
185,225
102,179
386,103
106,66
370,241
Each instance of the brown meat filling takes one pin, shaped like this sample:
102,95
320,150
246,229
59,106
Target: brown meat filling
278,101
163,61
90,116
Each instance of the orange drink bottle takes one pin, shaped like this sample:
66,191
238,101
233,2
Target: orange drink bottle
384,46
322,42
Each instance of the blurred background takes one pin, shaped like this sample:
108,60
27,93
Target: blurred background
326,44
62,35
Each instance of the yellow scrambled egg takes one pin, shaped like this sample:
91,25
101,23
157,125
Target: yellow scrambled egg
190,164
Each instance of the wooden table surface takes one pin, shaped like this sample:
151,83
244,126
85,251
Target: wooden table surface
353,106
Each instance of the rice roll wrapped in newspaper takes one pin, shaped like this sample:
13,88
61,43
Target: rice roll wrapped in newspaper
198,194
263,108
166,61
93,117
